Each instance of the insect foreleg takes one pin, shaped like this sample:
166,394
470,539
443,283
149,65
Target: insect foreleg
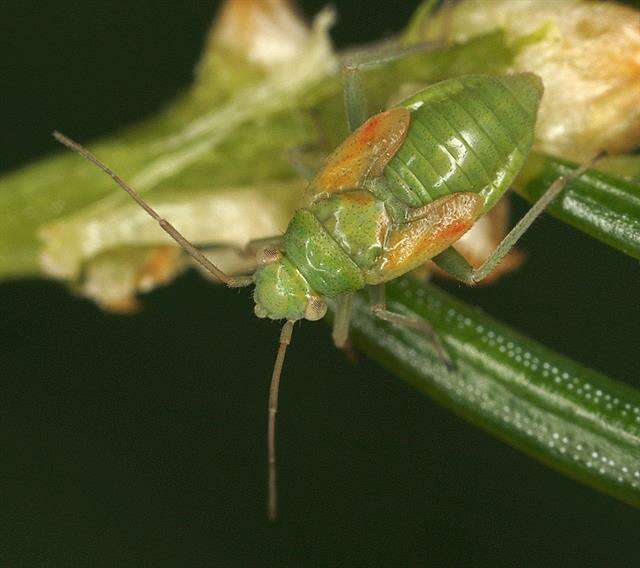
386,52
451,261
196,254
340,333
354,96
255,246
379,308
295,156
355,101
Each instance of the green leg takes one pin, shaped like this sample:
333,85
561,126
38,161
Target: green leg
354,97
297,160
355,101
455,264
257,245
341,321
379,308
386,52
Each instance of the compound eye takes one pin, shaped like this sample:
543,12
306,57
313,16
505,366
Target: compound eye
260,311
268,255
316,309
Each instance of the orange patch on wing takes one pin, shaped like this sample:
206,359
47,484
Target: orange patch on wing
454,231
358,197
482,239
364,154
442,223
369,130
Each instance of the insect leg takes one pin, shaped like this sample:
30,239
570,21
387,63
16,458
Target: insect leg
196,254
379,308
354,96
386,52
378,295
254,246
451,261
285,340
340,333
295,156
355,101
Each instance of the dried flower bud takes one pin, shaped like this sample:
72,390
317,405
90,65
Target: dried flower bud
268,32
114,279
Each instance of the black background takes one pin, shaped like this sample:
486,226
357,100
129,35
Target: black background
140,440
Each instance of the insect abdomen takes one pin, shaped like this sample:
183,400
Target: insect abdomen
470,134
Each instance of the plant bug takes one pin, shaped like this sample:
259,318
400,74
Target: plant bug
400,190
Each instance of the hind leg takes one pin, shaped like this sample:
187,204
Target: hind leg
379,308
452,262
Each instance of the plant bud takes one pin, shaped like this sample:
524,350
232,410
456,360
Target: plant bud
267,32
588,56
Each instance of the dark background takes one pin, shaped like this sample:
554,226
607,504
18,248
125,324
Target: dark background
140,440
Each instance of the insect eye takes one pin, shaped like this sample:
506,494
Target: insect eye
268,255
316,309
260,311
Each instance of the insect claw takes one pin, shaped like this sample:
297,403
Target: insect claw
450,365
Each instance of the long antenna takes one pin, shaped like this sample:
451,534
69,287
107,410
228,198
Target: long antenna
195,253
285,340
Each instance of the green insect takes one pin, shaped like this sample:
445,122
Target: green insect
405,186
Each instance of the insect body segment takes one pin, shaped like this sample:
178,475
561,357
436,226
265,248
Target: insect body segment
470,134
281,290
402,188
358,222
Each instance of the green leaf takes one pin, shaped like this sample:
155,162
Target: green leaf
603,206
575,420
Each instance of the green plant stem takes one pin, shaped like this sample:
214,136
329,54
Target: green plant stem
575,420
599,204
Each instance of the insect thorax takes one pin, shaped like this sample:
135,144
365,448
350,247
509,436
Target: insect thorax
327,250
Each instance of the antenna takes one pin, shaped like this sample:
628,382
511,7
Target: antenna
195,253
285,340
